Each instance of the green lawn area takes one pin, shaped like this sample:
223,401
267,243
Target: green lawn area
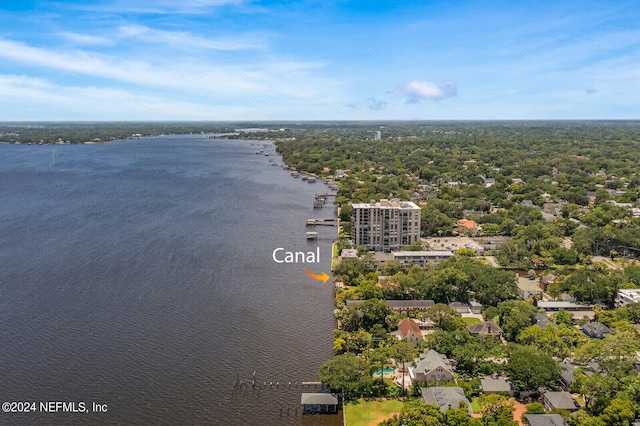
471,321
475,405
365,413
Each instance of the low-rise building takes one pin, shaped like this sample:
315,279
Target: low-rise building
487,328
596,330
409,331
544,420
399,306
566,375
559,400
446,397
627,296
431,366
527,287
468,227
577,311
421,258
490,385
460,307
542,320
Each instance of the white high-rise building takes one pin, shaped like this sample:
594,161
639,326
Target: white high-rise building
385,225
378,135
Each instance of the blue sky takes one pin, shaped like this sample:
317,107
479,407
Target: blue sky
319,60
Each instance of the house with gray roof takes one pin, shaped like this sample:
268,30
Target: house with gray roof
487,328
545,420
542,320
431,366
566,375
560,400
313,403
490,385
446,397
596,330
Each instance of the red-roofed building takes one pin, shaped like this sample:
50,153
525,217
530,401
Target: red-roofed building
468,227
410,331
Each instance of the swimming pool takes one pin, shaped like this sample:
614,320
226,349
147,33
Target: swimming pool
385,371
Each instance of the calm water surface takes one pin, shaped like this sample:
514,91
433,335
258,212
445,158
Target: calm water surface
139,275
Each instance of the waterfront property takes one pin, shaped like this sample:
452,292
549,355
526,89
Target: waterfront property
318,403
385,225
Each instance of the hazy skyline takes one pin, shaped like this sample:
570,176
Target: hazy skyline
318,60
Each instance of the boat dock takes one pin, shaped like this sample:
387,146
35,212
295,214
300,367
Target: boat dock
322,199
322,222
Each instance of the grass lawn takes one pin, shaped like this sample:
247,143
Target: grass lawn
475,405
366,413
471,321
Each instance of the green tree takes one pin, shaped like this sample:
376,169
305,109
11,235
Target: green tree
497,411
563,317
529,368
349,373
514,316
445,317
619,413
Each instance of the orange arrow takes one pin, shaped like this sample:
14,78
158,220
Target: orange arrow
324,277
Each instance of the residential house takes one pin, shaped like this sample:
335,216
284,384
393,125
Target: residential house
460,307
559,400
468,227
527,287
596,330
490,385
544,420
409,331
566,375
446,397
431,366
545,280
475,307
487,328
542,320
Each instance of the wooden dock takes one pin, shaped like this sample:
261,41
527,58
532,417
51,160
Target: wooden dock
322,222
322,199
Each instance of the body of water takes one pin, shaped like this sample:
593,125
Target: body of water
138,275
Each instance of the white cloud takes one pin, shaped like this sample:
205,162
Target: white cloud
204,78
416,91
186,40
159,7
86,39
30,96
